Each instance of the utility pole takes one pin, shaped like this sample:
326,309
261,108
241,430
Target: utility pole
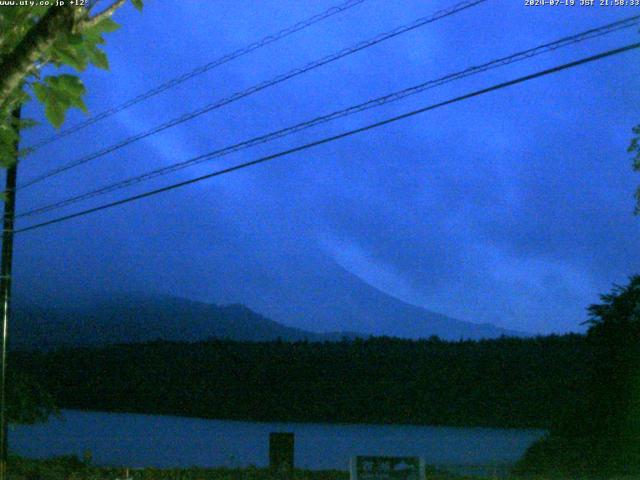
5,290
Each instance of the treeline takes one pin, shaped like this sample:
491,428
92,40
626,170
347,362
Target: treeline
507,382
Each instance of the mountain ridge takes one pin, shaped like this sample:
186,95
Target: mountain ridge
131,318
128,320
339,298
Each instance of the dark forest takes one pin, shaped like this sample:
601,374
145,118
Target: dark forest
508,382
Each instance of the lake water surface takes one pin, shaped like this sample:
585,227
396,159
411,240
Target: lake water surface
165,441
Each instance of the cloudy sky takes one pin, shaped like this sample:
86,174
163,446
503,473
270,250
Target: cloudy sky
514,208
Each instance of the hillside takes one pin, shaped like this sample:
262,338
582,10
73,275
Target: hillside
141,318
126,319
330,298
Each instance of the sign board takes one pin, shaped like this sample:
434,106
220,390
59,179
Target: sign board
387,468
281,451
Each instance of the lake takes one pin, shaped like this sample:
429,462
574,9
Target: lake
165,441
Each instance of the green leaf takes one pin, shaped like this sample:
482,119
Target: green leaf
92,36
137,4
77,50
75,39
73,55
58,94
106,25
99,58
26,123
40,91
78,102
54,111
8,137
6,161
67,84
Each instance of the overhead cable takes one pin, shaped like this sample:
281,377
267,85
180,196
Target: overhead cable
373,103
256,88
333,138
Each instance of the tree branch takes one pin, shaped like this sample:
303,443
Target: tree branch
90,22
16,65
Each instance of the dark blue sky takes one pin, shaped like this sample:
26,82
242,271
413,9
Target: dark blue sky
513,208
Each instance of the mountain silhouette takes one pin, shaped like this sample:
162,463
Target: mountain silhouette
133,318
336,299
140,318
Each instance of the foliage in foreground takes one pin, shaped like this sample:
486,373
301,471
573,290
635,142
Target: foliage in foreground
27,401
601,432
70,468
39,35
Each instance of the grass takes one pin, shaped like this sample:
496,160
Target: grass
71,468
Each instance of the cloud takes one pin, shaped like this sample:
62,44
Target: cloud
512,208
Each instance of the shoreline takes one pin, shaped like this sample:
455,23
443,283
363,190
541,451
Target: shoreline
309,422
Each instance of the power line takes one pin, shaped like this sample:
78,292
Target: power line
376,102
200,70
261,86
346,134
